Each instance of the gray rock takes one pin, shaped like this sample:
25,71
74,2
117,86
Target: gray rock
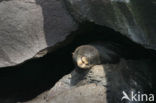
77,88
133,18
29,26
100,84
84,94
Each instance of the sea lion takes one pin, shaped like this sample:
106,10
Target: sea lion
121,77
86,56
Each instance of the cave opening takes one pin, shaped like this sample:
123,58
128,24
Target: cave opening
27,80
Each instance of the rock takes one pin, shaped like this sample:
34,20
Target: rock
101,84
133,18
29,26
83,94
76,79
74,85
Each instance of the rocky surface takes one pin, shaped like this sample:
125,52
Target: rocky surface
84,94
29,26
101,84
133,18
77,87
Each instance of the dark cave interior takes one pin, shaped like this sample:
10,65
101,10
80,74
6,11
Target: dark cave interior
27,80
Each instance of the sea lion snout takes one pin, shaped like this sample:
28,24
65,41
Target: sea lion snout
82,62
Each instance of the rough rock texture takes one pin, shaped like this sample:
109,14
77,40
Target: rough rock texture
83,94
77,87
133,18
100,84
28,26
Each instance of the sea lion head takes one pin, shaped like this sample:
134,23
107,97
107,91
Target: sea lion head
86,56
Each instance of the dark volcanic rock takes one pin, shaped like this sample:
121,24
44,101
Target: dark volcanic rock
101,84
133,18
28,26
84,94
77,88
